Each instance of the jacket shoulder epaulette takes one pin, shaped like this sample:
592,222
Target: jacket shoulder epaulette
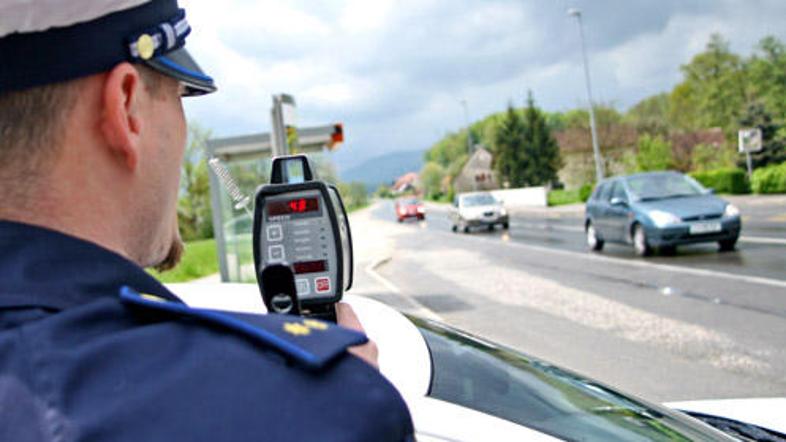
310,342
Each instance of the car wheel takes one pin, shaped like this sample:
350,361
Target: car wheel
491,227
593,241
727,245
401,220
505,226
466,228
454,228
640,243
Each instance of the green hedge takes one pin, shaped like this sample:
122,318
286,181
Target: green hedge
770,179
731,180
559,197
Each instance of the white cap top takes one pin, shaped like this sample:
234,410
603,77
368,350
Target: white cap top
39,15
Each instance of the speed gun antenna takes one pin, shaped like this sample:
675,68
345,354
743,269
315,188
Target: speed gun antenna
241,200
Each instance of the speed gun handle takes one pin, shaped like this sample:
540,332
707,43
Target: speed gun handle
278,289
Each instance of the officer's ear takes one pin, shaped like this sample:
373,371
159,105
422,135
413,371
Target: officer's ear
121,122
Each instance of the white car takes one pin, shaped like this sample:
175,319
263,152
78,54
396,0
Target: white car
462,388
477,209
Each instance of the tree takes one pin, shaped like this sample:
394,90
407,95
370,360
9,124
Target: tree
194,210
526,153
431,178
767,75
651,115
540,148
508,149
654,153
353,194
713,90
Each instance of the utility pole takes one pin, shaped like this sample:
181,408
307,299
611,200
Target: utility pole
595,149
466,122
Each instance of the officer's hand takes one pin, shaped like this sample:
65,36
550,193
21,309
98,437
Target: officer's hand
346,317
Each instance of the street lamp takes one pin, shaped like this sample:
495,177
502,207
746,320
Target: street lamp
573,12
466,121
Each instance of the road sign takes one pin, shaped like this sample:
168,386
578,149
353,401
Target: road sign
750,140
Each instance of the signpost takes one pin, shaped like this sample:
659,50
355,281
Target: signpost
749,140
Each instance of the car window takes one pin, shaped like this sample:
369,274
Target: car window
478,199
598,191
506,384
661,186
619,192
605,192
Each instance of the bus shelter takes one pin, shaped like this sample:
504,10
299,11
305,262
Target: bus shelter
248,160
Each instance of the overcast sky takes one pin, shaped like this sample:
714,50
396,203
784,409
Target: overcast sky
394,72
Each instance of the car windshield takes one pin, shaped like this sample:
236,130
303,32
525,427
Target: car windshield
410,202
509,385
479,199
661,186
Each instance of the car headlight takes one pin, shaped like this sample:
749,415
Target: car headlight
503,212
662,219
731,210
421,209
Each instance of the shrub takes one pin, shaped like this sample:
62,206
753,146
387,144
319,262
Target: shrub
585,192
706,157
770,179
729,180
654,153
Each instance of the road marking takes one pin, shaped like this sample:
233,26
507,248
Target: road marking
778,218
576,229
548,226
420,310
640,264
763,240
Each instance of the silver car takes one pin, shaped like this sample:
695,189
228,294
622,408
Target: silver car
477,209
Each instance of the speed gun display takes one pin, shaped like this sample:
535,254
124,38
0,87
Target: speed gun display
302,241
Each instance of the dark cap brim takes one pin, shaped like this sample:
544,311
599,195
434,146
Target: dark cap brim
180,65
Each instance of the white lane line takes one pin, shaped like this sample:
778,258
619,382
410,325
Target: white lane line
547,226
577,229
640,264
420,310
763,240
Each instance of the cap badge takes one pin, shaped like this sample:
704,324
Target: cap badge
146,46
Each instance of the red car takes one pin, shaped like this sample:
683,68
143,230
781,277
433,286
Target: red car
410,208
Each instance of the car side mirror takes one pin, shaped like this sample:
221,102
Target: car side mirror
617,201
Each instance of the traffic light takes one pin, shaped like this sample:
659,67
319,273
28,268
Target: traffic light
337,136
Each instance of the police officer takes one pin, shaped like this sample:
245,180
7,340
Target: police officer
92,135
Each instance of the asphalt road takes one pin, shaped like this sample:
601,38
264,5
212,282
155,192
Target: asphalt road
700,324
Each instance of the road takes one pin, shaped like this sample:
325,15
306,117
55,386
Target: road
696,325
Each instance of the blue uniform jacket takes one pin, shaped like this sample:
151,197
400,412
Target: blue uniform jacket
94,349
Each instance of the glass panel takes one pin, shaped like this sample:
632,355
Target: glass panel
662,186
237,224
503,383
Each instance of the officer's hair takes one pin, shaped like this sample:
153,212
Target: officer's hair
31,123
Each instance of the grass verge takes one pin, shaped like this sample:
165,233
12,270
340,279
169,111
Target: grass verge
199,260
561,197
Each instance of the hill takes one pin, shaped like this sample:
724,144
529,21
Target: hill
384,169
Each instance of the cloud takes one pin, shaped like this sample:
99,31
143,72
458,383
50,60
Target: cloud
395,71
